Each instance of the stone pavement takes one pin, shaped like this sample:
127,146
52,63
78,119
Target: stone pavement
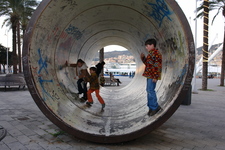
3,132
198,126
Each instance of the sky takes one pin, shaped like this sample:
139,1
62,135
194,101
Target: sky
216,31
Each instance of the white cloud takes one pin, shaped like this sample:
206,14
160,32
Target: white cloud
114,48
5,34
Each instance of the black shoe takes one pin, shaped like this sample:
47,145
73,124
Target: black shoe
89,103
79,93
149,112
83,99
155,111
103,106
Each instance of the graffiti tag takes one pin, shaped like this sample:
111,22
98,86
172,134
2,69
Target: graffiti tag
74,31
159,11
43,65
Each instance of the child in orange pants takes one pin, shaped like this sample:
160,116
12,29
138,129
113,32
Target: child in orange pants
94,87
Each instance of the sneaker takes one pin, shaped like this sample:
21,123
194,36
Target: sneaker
103,106
155,111
89,103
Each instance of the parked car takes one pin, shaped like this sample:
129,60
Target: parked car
210,76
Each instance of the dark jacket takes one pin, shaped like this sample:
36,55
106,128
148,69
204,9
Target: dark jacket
99,67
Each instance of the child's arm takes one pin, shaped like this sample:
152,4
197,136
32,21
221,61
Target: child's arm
70,65
85,75
142,56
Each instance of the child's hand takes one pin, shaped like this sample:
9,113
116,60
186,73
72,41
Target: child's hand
142,55
154,80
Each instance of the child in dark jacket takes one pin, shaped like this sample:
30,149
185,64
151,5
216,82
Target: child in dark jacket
94,87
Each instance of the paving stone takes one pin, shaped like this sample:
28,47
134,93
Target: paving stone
16,146
33,146
40,132
23,139
27,132
5,118
15,132
9,139
3,146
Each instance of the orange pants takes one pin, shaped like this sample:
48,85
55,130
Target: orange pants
97,95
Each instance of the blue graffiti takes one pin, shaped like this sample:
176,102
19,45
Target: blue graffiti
160,11
183,72
42,63
74,31
45,93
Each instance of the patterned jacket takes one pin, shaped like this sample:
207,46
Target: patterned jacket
93,80
153,65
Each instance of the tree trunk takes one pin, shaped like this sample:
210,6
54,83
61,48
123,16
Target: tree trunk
14,48
205,45
19,47
223,62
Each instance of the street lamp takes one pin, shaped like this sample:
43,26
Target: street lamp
194,89
7,54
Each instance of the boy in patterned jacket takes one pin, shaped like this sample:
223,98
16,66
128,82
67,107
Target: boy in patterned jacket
153,68
94,87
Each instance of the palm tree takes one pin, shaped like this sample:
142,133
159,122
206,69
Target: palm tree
205,7
14,9
218,5
26,12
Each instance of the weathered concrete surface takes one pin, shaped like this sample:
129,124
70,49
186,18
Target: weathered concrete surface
66,30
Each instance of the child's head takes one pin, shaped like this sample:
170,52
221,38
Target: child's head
80,62
150,44
92,69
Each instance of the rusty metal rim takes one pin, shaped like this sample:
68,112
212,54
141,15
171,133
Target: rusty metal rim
101,138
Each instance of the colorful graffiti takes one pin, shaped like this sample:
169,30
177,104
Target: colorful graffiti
159,11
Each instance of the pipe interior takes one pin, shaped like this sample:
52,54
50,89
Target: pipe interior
68,30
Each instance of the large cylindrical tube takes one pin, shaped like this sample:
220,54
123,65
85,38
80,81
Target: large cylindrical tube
67,30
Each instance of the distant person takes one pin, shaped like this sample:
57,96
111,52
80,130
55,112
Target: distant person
114,79
133,74
153,68
130,75
94,87
81,72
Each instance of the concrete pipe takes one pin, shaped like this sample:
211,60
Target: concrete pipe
67,30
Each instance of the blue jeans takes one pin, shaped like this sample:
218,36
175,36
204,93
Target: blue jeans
151,95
